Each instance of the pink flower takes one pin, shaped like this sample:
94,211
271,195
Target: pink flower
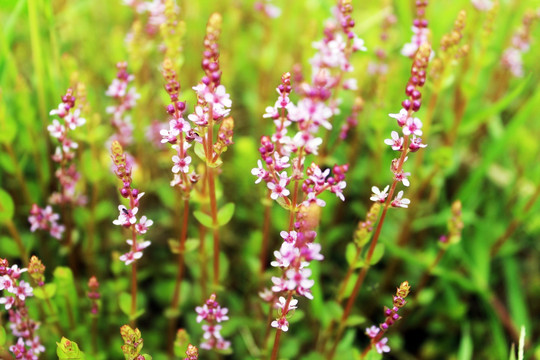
338,189
401,117
61,111
6,283
259,172
24,290
372,331
211,331
381,346
402,176
396,142
56,129
220,314
35,345
281,323
400,202
7,301
73,120
416,143
379,196
279,190
281,304
286,254
202,312
412,126
199,117
219,96
181,164
18,349
143,225
126,217
289,237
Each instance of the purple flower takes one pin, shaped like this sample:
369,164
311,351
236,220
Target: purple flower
379,196
381,346
396,142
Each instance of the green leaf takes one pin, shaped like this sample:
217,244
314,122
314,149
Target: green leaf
2,336
466,345
191,244
199,151
350,254
124,302
377,254
225,214
521,346
45,292
203,218
68,349
7,207
355,320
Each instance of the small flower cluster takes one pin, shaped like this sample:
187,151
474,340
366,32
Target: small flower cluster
93,294
126,98
192,353
391,314
45,219
28,346
295,255
212,314
67,174
133,343
155,9
213,107
277,150
449,50
332,61
512,56
352,119
380,66
455,225
267,8
420,30
411,128
365,228
127,216
483,5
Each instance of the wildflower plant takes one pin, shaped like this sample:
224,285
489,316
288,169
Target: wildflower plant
323,138
127,218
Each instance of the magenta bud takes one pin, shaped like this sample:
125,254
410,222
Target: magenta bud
262,150
425,23
414,80
416,94
268,160
406,104
409,89
205,80
135,192
180,105
170,109
416,22
416,105
124,192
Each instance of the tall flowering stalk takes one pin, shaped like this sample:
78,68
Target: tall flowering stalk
212,314
67,174
212,108
420,30
512,56
16,292
127,218
94,296
408,143
125,98
284,158
391,316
